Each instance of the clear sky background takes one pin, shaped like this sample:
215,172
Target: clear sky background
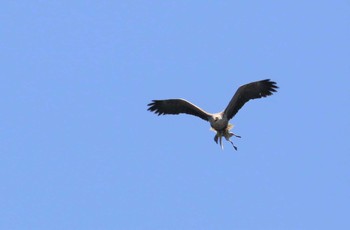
79,150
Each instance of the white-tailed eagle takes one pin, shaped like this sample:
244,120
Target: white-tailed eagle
218,121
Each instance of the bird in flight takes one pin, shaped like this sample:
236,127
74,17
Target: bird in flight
219,122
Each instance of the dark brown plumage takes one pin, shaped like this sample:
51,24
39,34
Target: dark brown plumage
247,92
177,106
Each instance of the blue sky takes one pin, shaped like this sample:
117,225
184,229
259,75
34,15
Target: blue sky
79,150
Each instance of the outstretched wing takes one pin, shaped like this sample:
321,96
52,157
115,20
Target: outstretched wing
247,92
177,106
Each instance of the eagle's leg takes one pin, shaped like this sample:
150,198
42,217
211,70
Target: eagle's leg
236,135
216,138
233,145
227,137
229,127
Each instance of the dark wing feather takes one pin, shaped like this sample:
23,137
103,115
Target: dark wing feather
247,92
177,106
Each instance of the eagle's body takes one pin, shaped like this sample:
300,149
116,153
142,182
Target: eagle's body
218,121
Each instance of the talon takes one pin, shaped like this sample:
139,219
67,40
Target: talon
216,139
235,135
233,145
